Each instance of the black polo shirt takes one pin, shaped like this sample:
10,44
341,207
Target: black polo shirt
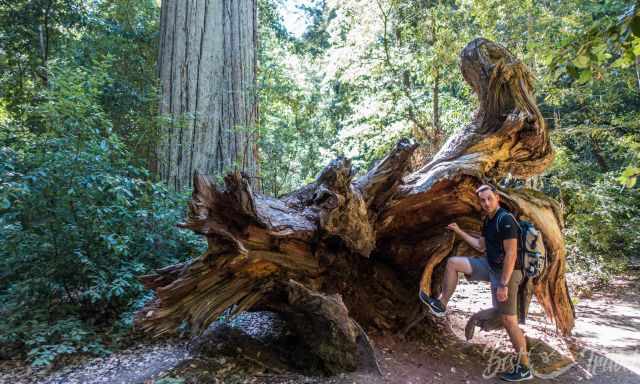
494,235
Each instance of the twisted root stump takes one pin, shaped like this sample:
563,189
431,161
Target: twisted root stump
345,248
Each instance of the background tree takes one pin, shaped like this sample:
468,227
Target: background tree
207,68
79,213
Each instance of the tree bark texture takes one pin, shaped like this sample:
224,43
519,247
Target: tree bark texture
346,247
207,68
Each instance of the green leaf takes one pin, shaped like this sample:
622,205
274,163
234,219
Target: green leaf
636,46
629,176
585,76
582,61
5,203
600,51
622,62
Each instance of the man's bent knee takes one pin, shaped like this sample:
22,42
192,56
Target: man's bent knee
509,320
459,264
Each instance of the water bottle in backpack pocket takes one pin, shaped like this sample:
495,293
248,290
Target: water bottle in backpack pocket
531,250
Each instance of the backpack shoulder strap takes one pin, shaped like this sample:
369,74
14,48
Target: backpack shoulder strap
518,264
503,213
500,214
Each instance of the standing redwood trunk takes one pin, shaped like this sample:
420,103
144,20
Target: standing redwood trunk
345,252
207,67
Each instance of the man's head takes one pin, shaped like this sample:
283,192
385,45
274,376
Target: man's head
489,198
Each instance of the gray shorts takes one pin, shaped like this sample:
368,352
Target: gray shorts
482,271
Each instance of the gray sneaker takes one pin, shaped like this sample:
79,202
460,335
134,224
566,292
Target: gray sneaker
435,306
519,373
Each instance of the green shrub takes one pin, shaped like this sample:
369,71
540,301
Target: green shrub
76,228
602,216
603,225
78,223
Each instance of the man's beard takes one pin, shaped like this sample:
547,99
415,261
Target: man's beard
488,210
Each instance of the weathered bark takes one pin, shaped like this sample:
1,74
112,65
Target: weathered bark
207,67
325,323
369,239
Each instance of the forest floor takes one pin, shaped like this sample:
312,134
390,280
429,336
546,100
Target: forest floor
604,348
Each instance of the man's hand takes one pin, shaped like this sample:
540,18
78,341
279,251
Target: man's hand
475,242
454,227
501,293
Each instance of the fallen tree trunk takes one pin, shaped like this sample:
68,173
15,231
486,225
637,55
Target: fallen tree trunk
345,248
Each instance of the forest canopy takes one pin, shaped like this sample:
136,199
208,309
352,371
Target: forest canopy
82,213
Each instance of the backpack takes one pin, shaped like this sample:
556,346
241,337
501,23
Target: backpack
531,255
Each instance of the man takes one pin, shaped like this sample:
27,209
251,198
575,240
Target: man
499,243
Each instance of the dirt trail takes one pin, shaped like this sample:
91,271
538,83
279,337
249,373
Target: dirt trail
133,365
605,348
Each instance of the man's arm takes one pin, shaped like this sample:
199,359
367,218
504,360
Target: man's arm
475,242
509,233
510,249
